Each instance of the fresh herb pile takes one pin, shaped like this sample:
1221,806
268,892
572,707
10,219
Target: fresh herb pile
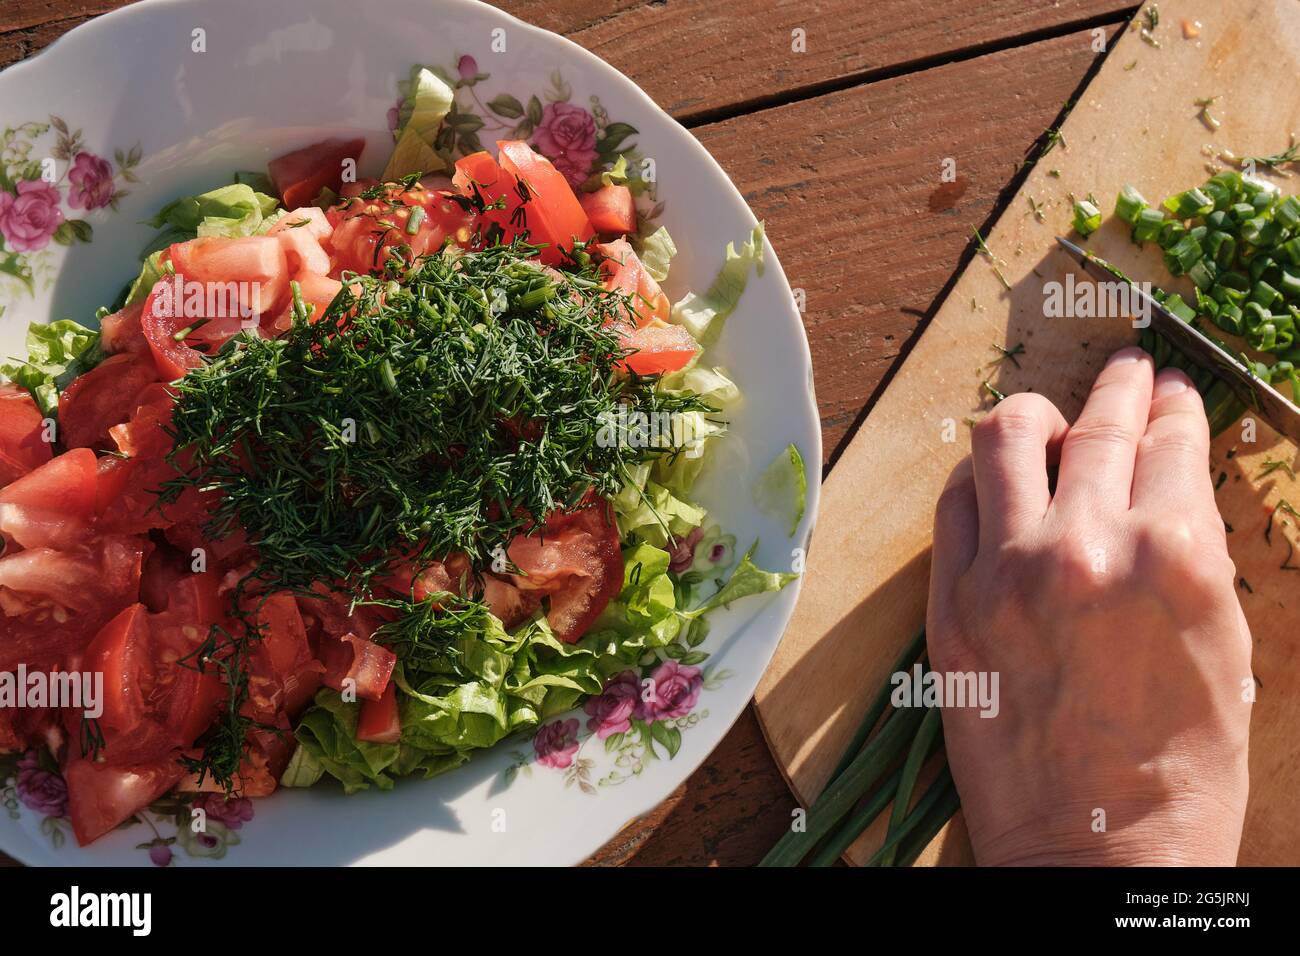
440,414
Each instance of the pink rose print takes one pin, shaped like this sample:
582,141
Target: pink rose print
673,692
467,67
29,218
232,813
42,791
91,179
683,552
556,743
611,711
160,854
567,137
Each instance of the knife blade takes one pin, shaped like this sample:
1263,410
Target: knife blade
1253,392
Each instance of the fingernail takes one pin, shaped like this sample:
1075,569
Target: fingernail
1170,382
1127,356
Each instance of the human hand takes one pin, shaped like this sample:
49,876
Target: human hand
1108,609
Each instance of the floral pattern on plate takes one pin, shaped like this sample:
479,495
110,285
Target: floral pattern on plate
46,190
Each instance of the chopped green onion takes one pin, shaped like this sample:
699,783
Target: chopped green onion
1148,224
1189,204
416,217
1087,217
1129,204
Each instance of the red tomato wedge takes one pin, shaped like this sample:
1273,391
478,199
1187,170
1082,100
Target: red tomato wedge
611,209
121,652
122,332
576,562
365,664
100,796
481,170
301,175
625,273
379,721
65,484
22,434
284,675
554,214
53,602
230,282
160,320
311,219
365,230
103,397
659,348
551,216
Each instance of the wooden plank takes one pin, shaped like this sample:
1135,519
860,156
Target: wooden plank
702,59
849,186
847,628
25,14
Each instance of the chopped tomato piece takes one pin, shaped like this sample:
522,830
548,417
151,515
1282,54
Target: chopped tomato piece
122,331
625,273
121,652
311,219
550,216
303,252
284,675
103,397
659,348
367,231
52,602
230,281
101,796
611,209
379,721
300,176
22,434
553,213
65,485
161,319
576,563
364,664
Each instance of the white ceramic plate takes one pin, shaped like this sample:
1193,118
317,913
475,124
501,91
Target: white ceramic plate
133,89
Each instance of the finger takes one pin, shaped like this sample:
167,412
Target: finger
1098,454
1171,471
1010,449
956,530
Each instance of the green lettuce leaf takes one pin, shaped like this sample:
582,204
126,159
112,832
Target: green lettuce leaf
656,513
656,253
150,272
782,489
488,685
427,100
704,315
233,210
56,354
747,579
644,615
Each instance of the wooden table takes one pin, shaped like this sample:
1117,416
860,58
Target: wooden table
839,148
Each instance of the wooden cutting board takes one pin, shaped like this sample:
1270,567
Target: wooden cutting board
864,592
